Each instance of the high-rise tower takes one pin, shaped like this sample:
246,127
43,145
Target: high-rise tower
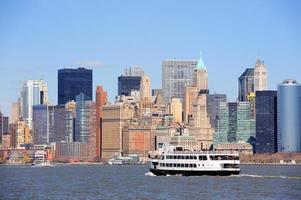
260,76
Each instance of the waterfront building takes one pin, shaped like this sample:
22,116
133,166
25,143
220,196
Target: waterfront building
266,121
70,115
175,109
289,116
72,82
177,74
40,124
126,84
235,123
33,92
6,141
114,118
241,147
145,88
213,101
72,152
59,123
190,94
101,100
14,112
20,134
138,138
82,118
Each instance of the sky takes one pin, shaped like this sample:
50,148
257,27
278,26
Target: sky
39,37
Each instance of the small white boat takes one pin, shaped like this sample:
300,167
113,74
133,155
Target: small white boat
42,164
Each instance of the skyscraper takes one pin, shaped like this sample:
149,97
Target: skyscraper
14,112
200,76
289,116
190,94
260,76
128,83
33,92
213,101
145,88
266,121
40,124
70,110
82,119
252,80
246,84
101,100
177,74
59,123
175,109
72,82
235,123
135,70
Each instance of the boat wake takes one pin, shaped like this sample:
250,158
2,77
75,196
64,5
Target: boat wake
149,174
266,176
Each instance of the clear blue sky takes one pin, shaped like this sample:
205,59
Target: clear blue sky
39,37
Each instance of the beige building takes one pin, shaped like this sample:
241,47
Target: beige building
175,109
260,76
201,78
145,88
114,118
190,95
20,134
14,112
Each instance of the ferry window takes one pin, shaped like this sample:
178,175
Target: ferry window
179,157
211,158
194,165
202,157
183,157
178,165
167,157
186,165
174,165
190,157
236,158
163,164
182,165
190,165
194,157
187,157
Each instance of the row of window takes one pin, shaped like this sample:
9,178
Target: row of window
177,165
187,157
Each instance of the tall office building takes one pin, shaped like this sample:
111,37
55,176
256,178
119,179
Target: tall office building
135,70
213,101
14,112
252,80
235,123
19,134
200,76
82,119
289,116
260,76
70,110
101,100
175,109
33,92
190,94
145,88
114,118
266,121
72,82
128,83
177,74
246,84
59,123
40,124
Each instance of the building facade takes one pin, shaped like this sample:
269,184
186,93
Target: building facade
213,101
128,83
72,82
40,124
246,84
289,116
101,100
266,122
177,74
33,92
175,109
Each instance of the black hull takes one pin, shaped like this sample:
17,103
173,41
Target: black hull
159,172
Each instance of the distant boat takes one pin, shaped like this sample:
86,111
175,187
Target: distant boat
41,164
124,160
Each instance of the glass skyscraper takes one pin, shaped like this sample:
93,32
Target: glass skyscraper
289,116
71,82
177,74
234,123
266,121
246,84
128,83
40,124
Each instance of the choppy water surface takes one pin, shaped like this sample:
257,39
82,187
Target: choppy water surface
134,182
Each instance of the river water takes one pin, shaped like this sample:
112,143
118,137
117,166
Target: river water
135,182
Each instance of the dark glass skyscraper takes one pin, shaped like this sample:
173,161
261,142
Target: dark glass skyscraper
266,121
246,84
213,101
128,83
71,82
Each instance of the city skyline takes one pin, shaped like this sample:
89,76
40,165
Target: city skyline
31,47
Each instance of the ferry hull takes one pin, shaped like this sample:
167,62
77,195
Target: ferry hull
160,172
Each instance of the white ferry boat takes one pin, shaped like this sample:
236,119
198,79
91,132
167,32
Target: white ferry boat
171,161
